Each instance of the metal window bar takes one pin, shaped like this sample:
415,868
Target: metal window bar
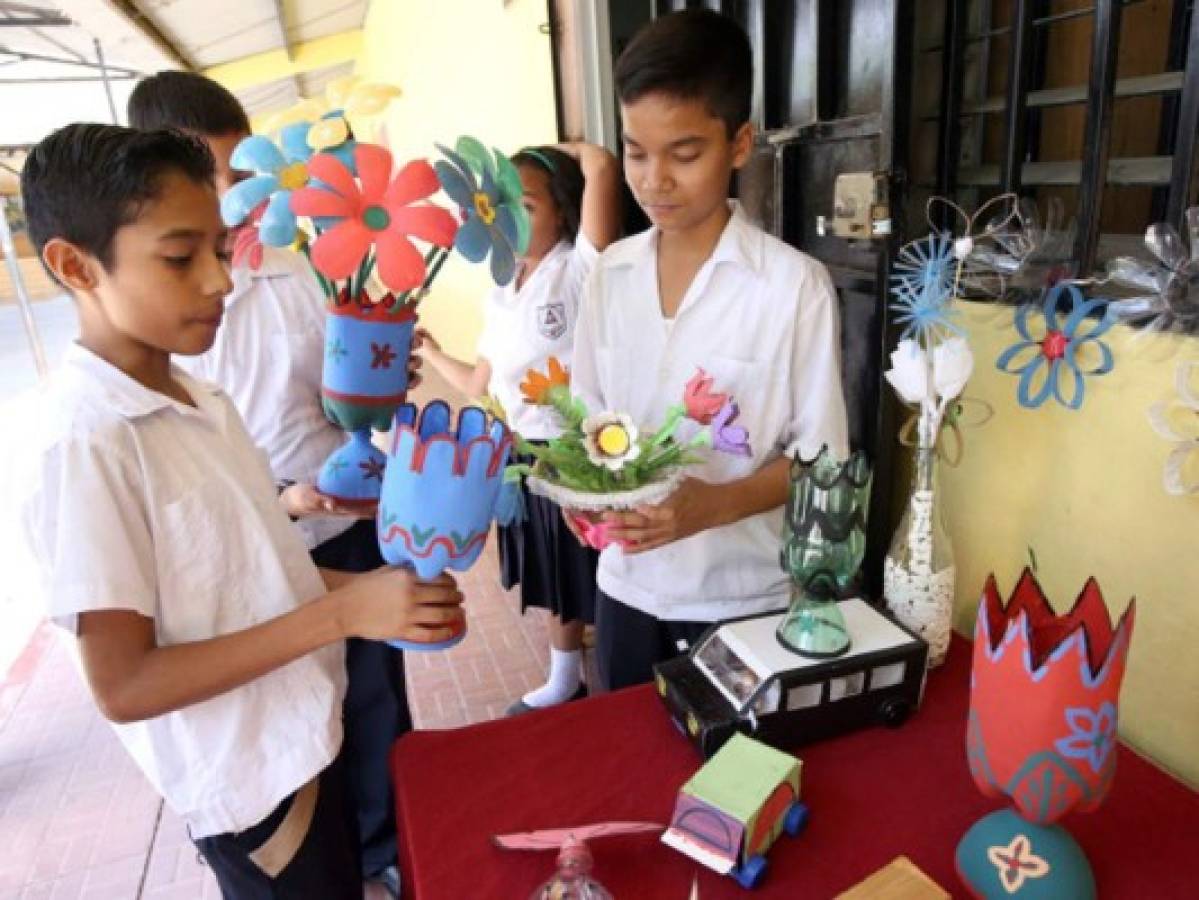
990,33
949,143
1096,148
1182,175
1020,71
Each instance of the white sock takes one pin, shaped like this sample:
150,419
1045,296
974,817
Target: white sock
563,681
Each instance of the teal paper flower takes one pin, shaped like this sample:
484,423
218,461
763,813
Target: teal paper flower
1054,356
487,188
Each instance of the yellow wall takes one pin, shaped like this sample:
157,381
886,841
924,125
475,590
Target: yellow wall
1084,490
464,66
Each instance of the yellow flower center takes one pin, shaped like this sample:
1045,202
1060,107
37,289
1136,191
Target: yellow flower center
293,177
484,208
613,440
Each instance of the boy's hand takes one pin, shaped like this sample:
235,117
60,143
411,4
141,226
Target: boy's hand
692,508
392,603
301,501
420,339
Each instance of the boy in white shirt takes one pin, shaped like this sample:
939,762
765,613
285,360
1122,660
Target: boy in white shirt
267,357
204,631
704,287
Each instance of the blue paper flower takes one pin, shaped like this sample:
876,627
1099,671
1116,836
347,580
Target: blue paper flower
1093,734
1054,356
489,194
922,288
278,172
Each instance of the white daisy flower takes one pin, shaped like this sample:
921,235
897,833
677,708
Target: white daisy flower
610,439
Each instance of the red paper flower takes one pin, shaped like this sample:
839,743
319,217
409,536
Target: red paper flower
374,212
702,404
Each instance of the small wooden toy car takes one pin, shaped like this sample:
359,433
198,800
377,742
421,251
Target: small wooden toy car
732,810
739,678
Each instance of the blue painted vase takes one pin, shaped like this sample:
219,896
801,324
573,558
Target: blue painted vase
440,492
365,375
353,475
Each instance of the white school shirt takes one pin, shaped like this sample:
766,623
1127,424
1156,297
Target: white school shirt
760,317
267,357
523,328
130,500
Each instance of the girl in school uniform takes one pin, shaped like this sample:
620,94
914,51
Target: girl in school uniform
571,192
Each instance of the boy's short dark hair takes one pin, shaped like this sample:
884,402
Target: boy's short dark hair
691,55
566,183
186,101
84,183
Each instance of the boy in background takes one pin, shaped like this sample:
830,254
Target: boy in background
703,288
204,631
268,357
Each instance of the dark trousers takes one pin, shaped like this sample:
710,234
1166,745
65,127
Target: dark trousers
628,642
376,708
325,867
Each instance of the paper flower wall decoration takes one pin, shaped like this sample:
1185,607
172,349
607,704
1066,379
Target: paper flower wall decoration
1169,298
1178,421
278,174
374,211
975,245
486,187
922,287
1050,362
1030,257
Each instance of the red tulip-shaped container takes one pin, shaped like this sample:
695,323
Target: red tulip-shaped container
1041,732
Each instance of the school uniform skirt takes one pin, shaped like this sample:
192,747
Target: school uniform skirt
553,569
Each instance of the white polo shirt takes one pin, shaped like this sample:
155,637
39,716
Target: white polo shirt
760,317
523,328
129,500
267,357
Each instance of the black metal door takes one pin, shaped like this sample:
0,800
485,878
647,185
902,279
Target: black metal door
832,99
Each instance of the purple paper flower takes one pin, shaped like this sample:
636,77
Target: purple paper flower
1094,733
726,437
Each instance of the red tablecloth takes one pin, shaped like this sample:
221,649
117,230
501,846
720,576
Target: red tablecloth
874,795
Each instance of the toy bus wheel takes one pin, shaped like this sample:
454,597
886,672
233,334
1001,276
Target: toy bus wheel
750,875
895,712
796,819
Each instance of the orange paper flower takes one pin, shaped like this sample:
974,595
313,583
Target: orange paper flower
537,387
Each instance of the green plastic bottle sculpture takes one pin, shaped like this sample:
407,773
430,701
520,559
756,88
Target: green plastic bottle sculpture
824,539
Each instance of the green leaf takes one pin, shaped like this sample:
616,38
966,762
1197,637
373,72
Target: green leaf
422,536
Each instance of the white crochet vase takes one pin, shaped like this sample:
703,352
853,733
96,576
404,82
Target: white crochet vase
919,572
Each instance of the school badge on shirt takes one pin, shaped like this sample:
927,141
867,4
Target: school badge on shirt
551,320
